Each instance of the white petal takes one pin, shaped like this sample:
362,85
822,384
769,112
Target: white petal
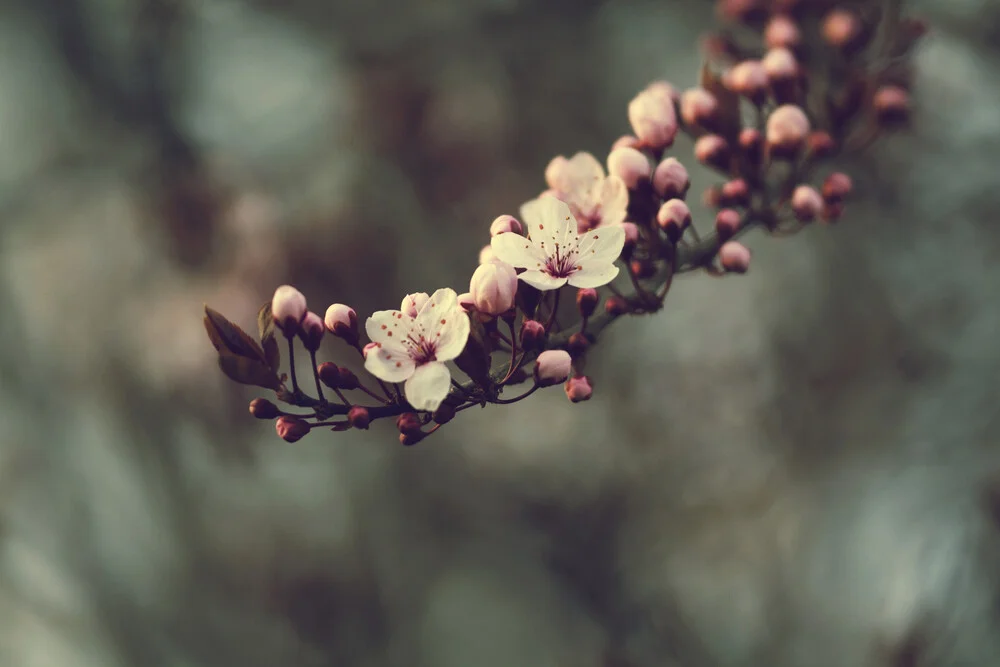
517,251
594,276
579,176
601,245
389,364
428,386
388,326
412,303
441,301
549,221
445,323
542,281
613,199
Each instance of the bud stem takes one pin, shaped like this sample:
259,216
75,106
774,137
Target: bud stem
505,401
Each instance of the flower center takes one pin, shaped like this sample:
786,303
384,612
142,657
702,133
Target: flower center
562,264
421,350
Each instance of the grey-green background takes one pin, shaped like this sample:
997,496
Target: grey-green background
788,469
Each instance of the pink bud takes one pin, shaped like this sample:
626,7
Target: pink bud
713,151
444,414
653,118
486,254
787,129
329,372
782,32
673,217
342,321
368,348
627,141
749,79
311,331
631,233
408,422
806,203
615,306
288,307
493,287
751,144
346,379
892,104
552,367
412,303
579,388
820,145
670,179
629,165
261,408
780,65
555,171
840,28
505,223
586,301
734,257
291,429
836,187
735,193
358,417
727,223
532,335
698,106
665,90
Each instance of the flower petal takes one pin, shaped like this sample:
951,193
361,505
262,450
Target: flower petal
517,251
579,176
444,322
613,199
542,281
552,225
388,326
601,245
596,276
389,364
412,303
428,386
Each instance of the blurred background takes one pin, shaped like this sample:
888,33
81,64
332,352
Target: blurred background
792,468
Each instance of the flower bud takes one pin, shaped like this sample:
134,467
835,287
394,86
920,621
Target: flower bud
577,345
329,372
288,307
841,28
615,306
493,287
727,223
631,238
892,105
806,203
713,151
408,422
653,118
412,303
368,348
261,408
466,301
412,438
837,187
503,224
342,322
749,79
782,32
698,107
820,145
358,417
552,367
311,331
673,218
486,254
629,165
579,388
346,379
832,211
532,335
586,301
735,193
642,268
664,89
734,257
291,429
787,129
627,141
780,65
751,144
555,171
444,414
670,179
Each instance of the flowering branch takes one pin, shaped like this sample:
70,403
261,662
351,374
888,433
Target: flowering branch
787,86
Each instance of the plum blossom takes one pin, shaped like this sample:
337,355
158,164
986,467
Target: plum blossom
554,253
414,349
595,199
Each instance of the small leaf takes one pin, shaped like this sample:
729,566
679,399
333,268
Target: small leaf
229,338
730,119
248,371
265,327
474,360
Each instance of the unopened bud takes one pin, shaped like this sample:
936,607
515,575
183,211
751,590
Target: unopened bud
329,372
673,218
532,335
699,107
841,28
820,145
288,307
291,429
751,144
503,224
629,165
631,238
552,367
346,379
832,211
615,306
749,79
892,105
642,268
782,32
670,179
627,141
782,70
734,257
787,129
408,422
713,151
342,322
493,287
412,303
577,345
837,187
653,117
311,331
735,193
358,417
579,388
586,301
444,414
486,254
261,408
806,203
409,439
727,223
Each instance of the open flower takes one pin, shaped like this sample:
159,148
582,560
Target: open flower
555,253
595,199
415,349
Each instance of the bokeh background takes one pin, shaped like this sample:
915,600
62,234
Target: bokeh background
791,468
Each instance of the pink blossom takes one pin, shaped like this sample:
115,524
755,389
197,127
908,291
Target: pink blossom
493,287
552,367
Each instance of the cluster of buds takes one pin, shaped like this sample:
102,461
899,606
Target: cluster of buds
765,117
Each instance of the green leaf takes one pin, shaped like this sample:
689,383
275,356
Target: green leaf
227,338
265,328
248,371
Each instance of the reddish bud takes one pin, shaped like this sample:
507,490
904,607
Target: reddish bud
642,268
577,345
586,301
291,429
409,439
735,193
346,378
727,223
820,145
342,321
493,287
806,203
444,414
673,218
670,179
751,144
615,306
713,151
837,187
832,211
408,422
841,28
552,367
579,388
504,224
329,374
629,165
734,257
311,331
698,107
653,117
892,105
749,79
782,32
358,417
288,307
532,335
787,129
261,408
